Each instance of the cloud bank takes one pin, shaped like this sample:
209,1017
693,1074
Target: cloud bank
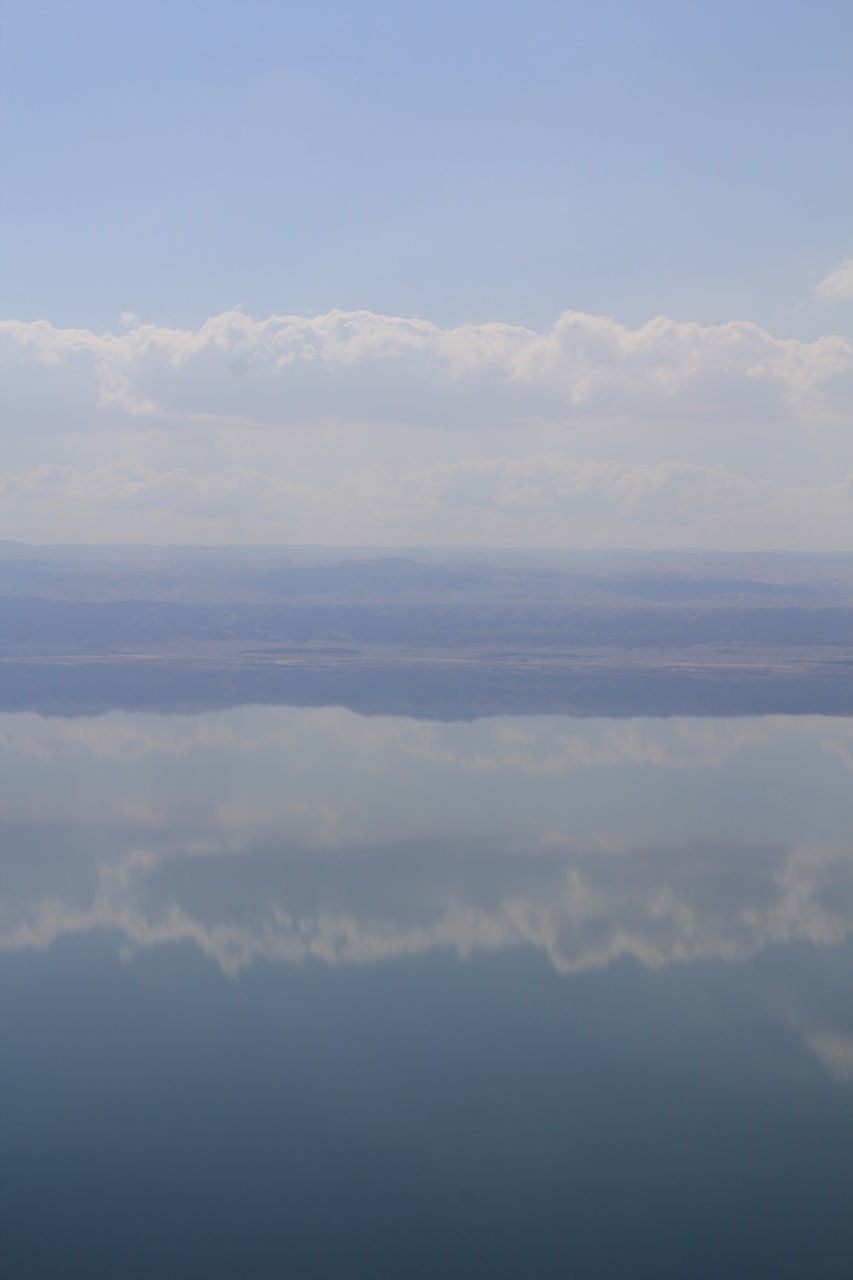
356,427
541,500
288,369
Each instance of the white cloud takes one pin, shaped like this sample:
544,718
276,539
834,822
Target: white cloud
543,499
365,367
358,428
555,482
838,285
129,483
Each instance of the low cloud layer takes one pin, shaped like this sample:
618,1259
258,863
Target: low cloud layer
541,500
356,427
367,367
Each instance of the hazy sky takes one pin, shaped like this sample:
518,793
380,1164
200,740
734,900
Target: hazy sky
540,274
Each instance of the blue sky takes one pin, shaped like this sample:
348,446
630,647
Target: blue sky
464,162
459,164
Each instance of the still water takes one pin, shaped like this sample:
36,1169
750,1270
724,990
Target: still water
299,992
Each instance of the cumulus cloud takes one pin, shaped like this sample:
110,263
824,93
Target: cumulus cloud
838,285
361,366
353,427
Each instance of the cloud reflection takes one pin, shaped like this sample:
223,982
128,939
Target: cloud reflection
289,835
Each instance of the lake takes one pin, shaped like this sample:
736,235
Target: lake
301,991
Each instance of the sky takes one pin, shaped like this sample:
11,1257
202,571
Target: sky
450,274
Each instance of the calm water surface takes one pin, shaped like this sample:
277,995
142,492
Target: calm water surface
298,992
